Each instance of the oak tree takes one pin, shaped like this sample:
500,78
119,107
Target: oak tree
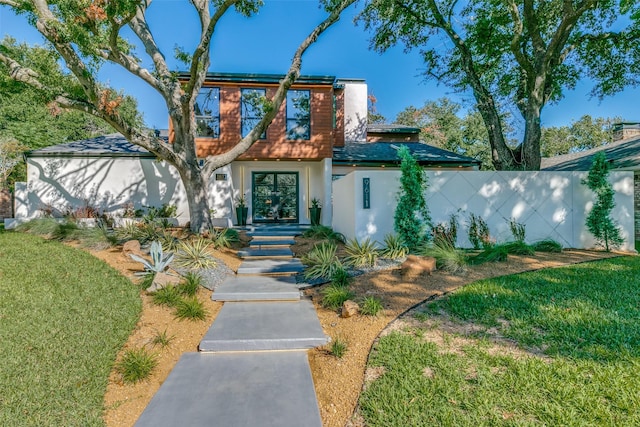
515,55
86,34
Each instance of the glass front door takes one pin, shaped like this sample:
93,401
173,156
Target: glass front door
275,197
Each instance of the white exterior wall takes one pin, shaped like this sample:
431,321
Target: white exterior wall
551,204
109,184
355,110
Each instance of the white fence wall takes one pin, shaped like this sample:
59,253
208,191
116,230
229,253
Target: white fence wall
551,204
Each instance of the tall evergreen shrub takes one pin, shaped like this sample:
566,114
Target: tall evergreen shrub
412,217
599,221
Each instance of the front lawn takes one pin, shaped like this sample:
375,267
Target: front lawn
64,315
553,347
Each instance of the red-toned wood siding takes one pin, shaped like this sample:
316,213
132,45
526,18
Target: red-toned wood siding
275,146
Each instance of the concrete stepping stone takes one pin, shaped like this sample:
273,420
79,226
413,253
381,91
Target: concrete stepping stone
257,326
256,288
273,253
236,390
270,267
268,243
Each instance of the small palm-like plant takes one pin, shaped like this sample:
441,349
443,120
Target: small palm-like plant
359,254
159,261
321,261
223,237
322,232
195,254
394,247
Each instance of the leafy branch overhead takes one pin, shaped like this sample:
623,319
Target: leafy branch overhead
87,35
514,56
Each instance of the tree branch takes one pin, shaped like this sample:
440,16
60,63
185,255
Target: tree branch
141,29
516,40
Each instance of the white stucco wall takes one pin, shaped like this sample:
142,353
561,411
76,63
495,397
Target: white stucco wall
355,110
551,204
109,184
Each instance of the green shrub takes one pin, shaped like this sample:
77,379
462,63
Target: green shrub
371,306
341,277
547,245
322,232
497,253
479,234
190,309
394,247
223,237
40,227
321,261
518,248
599,221
136,365
338,348
447,232
411,217
363,254
98,237
334,296
517,230
448,258
190,285
169,296
195,254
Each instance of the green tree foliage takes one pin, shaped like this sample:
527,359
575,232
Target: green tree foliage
515,55
411,218
583,134
440,125
599,221
86,35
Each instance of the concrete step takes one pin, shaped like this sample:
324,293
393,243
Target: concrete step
266,243
267,389
258,326
272,234
270,267
257,288
271,253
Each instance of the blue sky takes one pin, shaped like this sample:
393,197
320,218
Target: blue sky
266,42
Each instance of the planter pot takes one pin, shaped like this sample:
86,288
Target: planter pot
315,214
241,215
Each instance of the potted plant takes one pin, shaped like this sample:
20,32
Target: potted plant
242,211
315,211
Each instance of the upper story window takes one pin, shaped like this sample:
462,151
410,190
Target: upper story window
299,114
207,112
252,109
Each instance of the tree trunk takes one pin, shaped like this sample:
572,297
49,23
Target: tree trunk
196,185
531,141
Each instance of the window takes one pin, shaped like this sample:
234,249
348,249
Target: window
252,109
298,114
207,111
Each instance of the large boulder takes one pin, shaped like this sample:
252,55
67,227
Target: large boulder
162,280
415,266
132,247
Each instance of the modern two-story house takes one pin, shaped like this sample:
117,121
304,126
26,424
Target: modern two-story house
320,134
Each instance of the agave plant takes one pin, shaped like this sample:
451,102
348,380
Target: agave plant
159,261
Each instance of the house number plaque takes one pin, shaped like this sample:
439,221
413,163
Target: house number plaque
366,193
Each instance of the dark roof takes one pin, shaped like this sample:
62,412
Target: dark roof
623,154
387,153
106,145
261,78
392,128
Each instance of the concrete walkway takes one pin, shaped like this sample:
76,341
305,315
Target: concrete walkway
241,376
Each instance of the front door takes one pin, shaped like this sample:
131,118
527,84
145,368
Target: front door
275,196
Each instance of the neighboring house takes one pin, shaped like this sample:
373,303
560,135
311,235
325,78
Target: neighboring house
623,154
319,134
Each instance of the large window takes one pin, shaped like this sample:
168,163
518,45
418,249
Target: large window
252,109
207,111
298,114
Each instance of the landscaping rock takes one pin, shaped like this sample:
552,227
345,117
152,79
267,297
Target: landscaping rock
349,308
132,247
162,280
415,266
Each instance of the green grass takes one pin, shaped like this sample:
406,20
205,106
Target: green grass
64,315
584,318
